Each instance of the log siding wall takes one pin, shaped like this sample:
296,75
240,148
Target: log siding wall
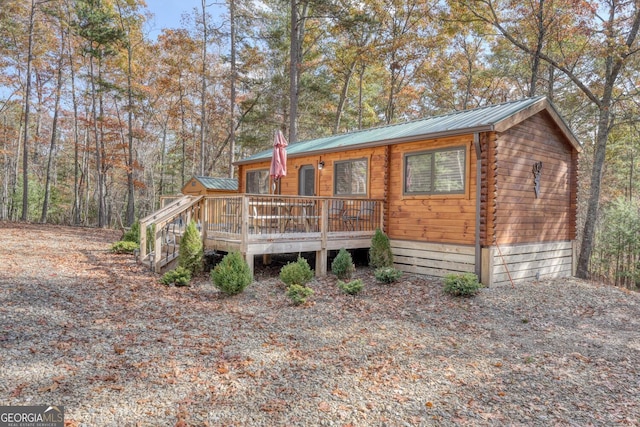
489,191
432,218
520,216
376,179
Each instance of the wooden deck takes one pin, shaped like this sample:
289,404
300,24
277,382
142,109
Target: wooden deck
262,225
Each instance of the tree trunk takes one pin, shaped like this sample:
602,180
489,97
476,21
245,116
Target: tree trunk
588,233
96,135
343,97
54,130
232,100
162,156
389,109
130,212
76,214
130,217
13,211
183,130
360,94
550,91
535,64
631,166
293,75
25,138
203,98
86,176
7,172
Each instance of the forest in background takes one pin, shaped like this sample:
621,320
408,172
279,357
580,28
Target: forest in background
98,118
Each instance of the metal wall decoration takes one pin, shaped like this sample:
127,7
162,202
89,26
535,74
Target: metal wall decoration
537,172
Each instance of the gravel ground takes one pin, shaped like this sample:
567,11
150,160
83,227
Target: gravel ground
97,334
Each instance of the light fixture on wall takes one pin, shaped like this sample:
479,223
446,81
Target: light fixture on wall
320,164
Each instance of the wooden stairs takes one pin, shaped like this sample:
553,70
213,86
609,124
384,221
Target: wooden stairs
160,232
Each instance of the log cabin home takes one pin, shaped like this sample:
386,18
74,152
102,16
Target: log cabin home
492,191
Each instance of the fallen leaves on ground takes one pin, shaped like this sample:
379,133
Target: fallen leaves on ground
96,333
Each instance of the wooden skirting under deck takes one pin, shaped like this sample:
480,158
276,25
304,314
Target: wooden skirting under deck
500,266
432,259
529,262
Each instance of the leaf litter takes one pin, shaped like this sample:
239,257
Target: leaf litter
97,333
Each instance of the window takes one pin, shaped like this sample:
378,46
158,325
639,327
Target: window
435,171
258,181
350,178
307,181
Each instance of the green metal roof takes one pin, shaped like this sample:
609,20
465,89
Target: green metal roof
460,122
211,183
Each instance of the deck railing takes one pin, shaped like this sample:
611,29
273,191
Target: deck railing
256,224
275,214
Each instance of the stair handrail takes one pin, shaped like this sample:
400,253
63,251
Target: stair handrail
162,210
160,218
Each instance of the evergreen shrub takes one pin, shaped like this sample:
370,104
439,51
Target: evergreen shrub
298,294
351,288
387,274
178,277
191,249
232,275
380,254
133,234
122,247
342,265
296,273
462,285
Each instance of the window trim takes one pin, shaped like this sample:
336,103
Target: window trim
335,177
458,193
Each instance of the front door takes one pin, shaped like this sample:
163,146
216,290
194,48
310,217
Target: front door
307,181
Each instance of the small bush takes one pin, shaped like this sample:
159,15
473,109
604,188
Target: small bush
342,265
296,273
387,274
298,294
380,254
191,249
462,285
178,277
351,288
133,234
121,247
232,275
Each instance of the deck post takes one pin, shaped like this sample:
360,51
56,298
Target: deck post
321,255
249,259
487,266
204,218
157,250
244,231
143,240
